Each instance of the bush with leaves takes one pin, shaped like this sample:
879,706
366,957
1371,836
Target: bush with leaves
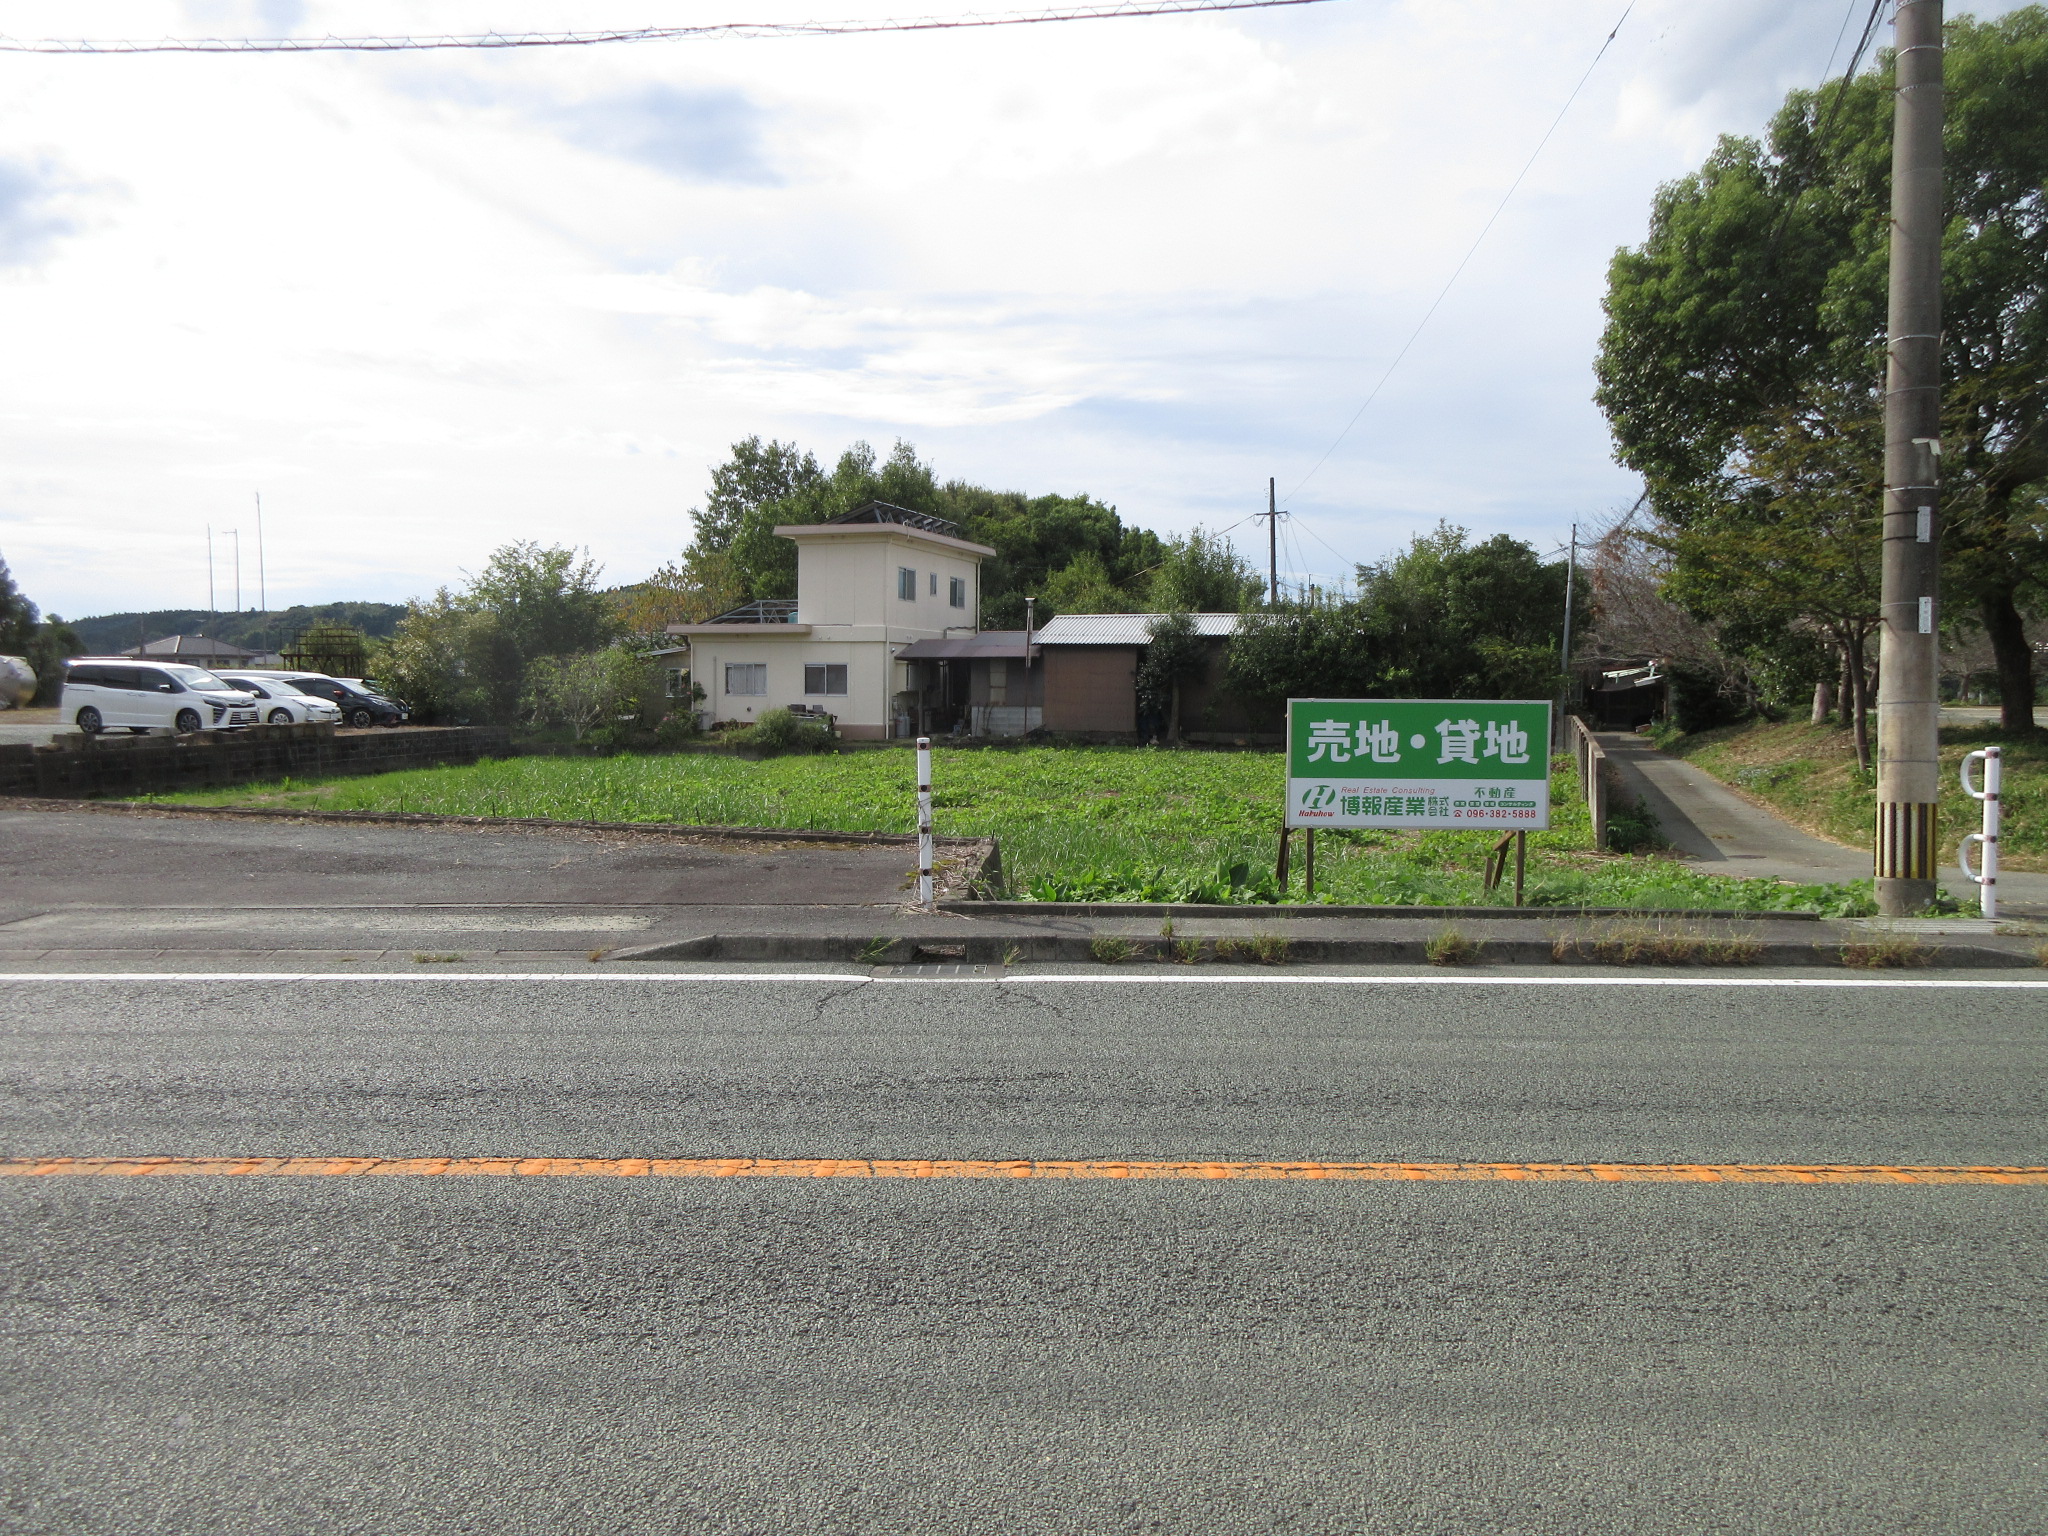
778,732
596,689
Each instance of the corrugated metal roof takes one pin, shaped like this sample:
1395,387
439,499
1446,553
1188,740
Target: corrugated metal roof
989,643
1126,628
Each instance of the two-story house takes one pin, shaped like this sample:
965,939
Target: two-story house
869,585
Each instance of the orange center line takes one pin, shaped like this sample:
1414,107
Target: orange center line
1041,1168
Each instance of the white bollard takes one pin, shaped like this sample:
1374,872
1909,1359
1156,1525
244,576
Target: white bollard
924,822
1986,879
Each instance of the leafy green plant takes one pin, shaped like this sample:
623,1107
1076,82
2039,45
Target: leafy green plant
1188,951
1111,949
876,950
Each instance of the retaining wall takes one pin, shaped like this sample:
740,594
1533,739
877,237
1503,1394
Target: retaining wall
78,766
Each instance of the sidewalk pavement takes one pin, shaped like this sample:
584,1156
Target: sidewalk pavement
1720,833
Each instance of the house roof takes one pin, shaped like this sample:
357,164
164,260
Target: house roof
989,644
191,645
1127,628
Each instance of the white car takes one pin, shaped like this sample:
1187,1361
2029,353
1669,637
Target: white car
282,704
104,693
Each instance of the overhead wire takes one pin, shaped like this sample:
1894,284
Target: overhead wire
398,43
1826,122
1478,240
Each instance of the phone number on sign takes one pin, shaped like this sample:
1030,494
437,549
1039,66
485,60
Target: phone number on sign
1490,814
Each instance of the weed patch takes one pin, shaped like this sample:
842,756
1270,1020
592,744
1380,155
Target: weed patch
1885,952
1450,947
422,957
1662,943
1111,949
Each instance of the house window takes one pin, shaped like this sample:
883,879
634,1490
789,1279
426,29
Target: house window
906,584
678,683
956,591
746,677
827,677
998,681
935,583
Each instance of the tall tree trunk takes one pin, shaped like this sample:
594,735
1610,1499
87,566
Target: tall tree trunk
1845,695
2007,633
1820,702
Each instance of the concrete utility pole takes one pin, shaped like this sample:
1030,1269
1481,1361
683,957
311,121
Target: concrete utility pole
262,580
1272,545
209,570
1908,705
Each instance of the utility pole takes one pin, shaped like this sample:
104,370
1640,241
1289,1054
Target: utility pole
236,535
1908,706
209,570
1571,571
262,582
1272,516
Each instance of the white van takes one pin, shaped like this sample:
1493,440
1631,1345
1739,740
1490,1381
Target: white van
115,692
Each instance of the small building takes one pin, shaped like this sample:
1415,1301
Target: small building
1090,665
870,584
199,651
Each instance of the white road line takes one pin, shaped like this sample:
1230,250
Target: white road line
842,978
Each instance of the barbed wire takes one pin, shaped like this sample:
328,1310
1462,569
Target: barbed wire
731,29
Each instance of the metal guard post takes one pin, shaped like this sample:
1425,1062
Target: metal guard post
1986,878
924,822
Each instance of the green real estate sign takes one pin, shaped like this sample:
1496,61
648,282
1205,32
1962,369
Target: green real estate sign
1467,764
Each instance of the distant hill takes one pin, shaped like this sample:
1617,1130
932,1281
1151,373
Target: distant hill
110,632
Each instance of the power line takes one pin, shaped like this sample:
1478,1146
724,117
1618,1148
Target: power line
1458,270
739,29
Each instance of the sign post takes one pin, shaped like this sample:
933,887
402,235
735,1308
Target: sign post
1466,765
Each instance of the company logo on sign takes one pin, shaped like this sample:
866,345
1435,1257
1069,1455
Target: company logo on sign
1318,796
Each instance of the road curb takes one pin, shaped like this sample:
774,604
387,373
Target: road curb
1588,952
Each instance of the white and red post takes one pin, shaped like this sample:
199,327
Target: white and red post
1985,877
924,822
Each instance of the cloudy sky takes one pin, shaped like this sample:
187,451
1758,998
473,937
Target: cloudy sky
429,302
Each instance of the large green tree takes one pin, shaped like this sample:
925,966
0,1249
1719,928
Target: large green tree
1444,619
1757,304
1072,552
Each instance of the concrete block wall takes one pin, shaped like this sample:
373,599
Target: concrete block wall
79,767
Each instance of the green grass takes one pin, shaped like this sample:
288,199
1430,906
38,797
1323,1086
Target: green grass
1076,823
1808,774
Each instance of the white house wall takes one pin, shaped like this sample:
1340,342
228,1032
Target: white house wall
841,581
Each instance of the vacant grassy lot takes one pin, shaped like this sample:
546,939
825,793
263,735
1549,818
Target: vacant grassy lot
1096,823
1808,775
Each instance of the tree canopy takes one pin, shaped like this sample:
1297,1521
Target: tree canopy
1753,318
1072,553
1444,619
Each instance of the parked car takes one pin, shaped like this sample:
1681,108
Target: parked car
113,692
283,704
359,709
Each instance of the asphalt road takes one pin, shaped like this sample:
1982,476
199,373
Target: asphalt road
593,1355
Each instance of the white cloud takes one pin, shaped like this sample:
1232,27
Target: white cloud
430,302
